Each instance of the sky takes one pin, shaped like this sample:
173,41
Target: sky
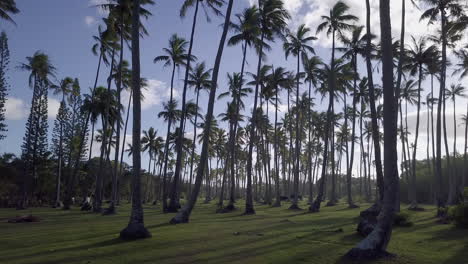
64,30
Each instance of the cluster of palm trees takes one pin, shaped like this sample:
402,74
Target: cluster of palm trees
303,149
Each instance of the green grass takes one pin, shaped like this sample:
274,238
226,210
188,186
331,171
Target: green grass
273,235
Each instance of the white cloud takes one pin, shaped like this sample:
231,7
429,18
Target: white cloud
156,93
89,20
16,109
53,108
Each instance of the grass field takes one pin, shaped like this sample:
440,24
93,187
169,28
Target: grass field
273,235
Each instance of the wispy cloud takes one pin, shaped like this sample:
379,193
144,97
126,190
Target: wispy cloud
16,109
89,20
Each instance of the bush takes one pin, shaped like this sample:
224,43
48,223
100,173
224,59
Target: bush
459,214
402,219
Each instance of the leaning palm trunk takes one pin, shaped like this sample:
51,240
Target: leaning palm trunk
174,203
375,244
184,214
465,157
277,179
136,228
193,143
450,171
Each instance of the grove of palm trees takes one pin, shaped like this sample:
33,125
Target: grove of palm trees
234,131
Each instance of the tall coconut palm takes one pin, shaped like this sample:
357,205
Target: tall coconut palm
136,228
8,7
452,93
298,45
277,80
375,244
199,79
237,93
336,23
213,6
176,57
247,33
418,56
183,215
354,46
439,10
465,149
273,18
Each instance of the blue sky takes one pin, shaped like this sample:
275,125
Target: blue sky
64,30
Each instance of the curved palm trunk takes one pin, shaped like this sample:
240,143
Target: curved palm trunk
125,133
375,244
136,228
174,203
465,156
184,214
450,171
91,143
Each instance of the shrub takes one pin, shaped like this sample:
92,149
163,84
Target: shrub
402,219
459,214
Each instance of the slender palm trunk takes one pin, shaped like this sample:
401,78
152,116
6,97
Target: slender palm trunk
184,214
465,156
294,204
91,143
166,147
450,170
276,161
136,228
97,202
353,135
413,199
174,203
194,142
125,133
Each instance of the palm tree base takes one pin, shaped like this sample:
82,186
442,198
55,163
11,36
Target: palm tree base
331,203
181,217
367,254
249,210
226,209
135,231
414,207
315,207
109,211
277,203
294,207
353,206
171,209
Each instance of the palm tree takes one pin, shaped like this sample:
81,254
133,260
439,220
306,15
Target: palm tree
297,45
213,5
336,22
136,228
6,7
65,87
273,18
175,57
170,113
375,244
199,79
277,80
354,46
247,32
455,91
417,57
440,10
465,155
184,214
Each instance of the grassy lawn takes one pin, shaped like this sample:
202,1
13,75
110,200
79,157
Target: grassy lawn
273,235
